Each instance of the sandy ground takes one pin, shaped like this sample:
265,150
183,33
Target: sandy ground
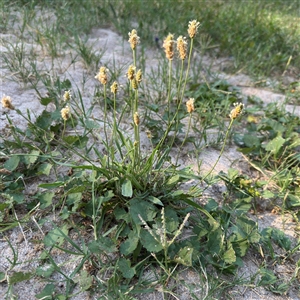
25,98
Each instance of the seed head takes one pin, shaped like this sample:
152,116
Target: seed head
6,102
190,105
65,113
67,96
114,88
193,28
102,75
130,72
182,47
237,111
168,45
136,118
139,76
134,84
134,39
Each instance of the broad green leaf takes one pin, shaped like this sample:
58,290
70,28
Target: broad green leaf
47,292
84,279
74,200
173,180
17,197
251,140
91,124
293,201
139,207
16,277
155,200
70,139
44,169
214,242
171,219
45,199
148,241
130,244
267,278
102,244
31,157
12,163
125,267
45,100
127,188
184,256
2,276
44,120
275,145
45,270
229,255
56,236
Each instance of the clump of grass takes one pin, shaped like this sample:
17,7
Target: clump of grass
132,201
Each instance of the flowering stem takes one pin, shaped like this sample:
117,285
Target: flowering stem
221,152
169,89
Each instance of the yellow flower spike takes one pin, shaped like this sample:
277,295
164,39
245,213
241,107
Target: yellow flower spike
168,45
237,111
190,105
139,76
6,102
136,119
102,75
65,113
130,73
182,47
114,88
193,28
134,84
134,39
67,96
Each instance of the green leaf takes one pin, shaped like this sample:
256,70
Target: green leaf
214,242
51,185
84,279
102,244
130,244
171,219
31,157
45,199
56,236
127,188
125,267
155,200
12,163
44,169
74,200
148,241
45,270
251,141
70,139
229,255
267,278
47,292
18,277
275,145
146,210
91,124
44,120
2,276
184,256
293,201
45,100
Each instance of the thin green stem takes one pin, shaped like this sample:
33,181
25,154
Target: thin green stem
221,152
